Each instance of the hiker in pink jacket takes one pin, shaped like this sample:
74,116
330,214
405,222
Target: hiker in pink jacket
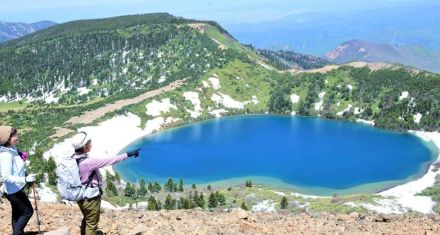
89,174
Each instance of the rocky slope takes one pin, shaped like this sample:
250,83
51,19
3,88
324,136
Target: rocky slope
10,31
54,216
358,50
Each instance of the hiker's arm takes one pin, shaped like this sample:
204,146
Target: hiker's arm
96,163
6,171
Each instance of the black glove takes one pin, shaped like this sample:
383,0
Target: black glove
134,153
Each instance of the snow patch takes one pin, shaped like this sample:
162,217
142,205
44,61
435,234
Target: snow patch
345,110
385,206
127,127
206,84
155,108
264,206
3,98
215,83
215,40
278,193
365,121
45,194
218,112
193,97
318,106
405,195
51,98
358,110
417,118
226,101
265,66
404,95
161,79
83,90
294,98
254,100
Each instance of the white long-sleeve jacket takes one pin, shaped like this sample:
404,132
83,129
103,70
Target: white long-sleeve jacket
12,169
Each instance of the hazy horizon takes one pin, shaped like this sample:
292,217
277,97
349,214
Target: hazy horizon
224,12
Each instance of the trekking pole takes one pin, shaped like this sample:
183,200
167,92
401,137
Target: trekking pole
36,210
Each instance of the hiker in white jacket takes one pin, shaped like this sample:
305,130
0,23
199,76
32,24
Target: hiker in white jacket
12,170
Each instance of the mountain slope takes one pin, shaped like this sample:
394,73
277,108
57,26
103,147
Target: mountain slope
83,65
357,50
284,59
10,31
86,60
318,33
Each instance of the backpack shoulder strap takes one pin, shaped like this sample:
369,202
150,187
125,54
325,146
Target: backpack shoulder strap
89,180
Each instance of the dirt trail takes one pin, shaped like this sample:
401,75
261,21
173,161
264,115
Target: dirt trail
90,116
328,68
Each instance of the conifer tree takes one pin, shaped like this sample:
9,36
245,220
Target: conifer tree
180,185
150,187
152,204
129,190
50,168
244,206
201,201
117,177
142,192
221,200
156,187
212,201
169,185
110,189
170,203
284,203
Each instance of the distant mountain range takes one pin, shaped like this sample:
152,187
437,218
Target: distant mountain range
10,31
285,60
357,50
318,33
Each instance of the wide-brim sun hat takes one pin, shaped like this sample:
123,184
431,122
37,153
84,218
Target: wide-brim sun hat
5,134
79,140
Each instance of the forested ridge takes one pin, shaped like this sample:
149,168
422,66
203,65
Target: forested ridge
395,98
83,60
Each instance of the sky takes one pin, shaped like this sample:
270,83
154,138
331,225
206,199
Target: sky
222,11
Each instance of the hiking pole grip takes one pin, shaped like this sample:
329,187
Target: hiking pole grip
36,210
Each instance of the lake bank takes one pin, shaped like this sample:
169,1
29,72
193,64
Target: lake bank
127,129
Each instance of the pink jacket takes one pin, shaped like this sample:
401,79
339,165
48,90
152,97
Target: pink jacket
88,165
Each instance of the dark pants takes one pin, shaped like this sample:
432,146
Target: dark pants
21,211
91,210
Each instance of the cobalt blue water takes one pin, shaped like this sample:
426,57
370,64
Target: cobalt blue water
312,155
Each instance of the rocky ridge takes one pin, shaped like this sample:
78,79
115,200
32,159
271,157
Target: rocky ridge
54,216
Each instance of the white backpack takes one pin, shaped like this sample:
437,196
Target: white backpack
2,185
69,183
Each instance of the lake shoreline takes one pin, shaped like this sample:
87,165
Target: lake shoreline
127,127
